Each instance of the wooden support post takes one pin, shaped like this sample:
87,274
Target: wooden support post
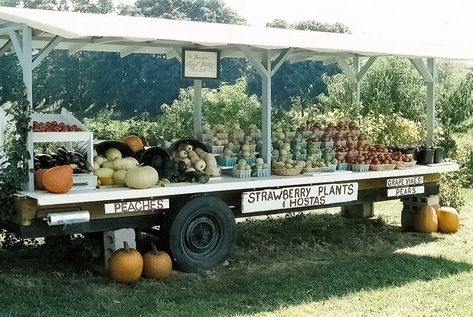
113,240
197,107
363,210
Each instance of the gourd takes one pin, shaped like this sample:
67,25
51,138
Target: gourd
125,163
156,264
200,165
134,143
38,178
119,177
108,164
58,179
185,147
448,220
126,265
112,154
426,220
100,159
105,175
211,168
141,177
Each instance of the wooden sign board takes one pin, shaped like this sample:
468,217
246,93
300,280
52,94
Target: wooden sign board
298,197
200,64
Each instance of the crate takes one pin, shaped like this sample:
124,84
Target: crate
299,157
84,181
217,149
263,172
342,166
226,161
241,173
250,160
360,167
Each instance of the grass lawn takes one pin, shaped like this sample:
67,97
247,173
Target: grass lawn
305,265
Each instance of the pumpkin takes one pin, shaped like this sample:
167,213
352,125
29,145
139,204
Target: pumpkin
126,264
426,220
448,220
119,177
58,179
134,143
141,177
112,154
156,264
38,178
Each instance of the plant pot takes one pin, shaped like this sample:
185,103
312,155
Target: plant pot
438,155
408,151
426,156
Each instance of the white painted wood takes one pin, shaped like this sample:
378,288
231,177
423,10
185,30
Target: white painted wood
284,56
365,68
222,184
356,84
128,50
266,108
45,51
6,29
175,53
260,68
347,70
422,69
77,47
197,107
431,101
5,47
17,46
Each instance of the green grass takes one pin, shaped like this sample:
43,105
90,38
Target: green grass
304,265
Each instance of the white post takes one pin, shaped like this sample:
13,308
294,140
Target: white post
431,101
197,107
266,109
356,85
27,58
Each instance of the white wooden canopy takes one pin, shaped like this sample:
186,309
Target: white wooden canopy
33,34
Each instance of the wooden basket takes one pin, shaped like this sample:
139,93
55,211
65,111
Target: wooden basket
287,172
405,165
312,170
382,167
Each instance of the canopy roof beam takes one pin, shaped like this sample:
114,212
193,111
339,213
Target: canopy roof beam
422,69
283,57
45,51
129,50
9,27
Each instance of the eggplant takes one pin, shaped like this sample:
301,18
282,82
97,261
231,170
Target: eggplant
194,177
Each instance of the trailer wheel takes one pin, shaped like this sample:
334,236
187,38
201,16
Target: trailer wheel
201,235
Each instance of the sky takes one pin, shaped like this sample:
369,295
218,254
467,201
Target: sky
448,21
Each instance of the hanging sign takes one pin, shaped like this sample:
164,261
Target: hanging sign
405,191
298,197
404,181
200,64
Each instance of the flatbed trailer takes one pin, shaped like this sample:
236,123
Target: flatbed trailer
197,221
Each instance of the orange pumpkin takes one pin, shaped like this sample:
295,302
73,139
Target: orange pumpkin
156,264
38,178
58,179
426,220
134,143
448,220
126,264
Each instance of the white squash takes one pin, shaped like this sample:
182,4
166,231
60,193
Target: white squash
190,169
192,154
105,175
125,163
112,154
195,159
141,177
199,151
95,166
108,164
100,159
186,147
119,177
182,154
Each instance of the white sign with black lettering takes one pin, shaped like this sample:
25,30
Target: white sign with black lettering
135,206
297,197
405,191
405,181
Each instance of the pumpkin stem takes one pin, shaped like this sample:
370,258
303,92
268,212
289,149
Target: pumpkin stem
153,246
126,246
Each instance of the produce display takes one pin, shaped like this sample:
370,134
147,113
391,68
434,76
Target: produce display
54,126
58,179
333,147
62,156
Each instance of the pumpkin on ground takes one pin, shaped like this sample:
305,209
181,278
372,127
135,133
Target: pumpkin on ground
426,220
134,143
141,177
156,264
58,179
448,220
126,264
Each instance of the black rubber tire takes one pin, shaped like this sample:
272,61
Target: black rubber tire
201,235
